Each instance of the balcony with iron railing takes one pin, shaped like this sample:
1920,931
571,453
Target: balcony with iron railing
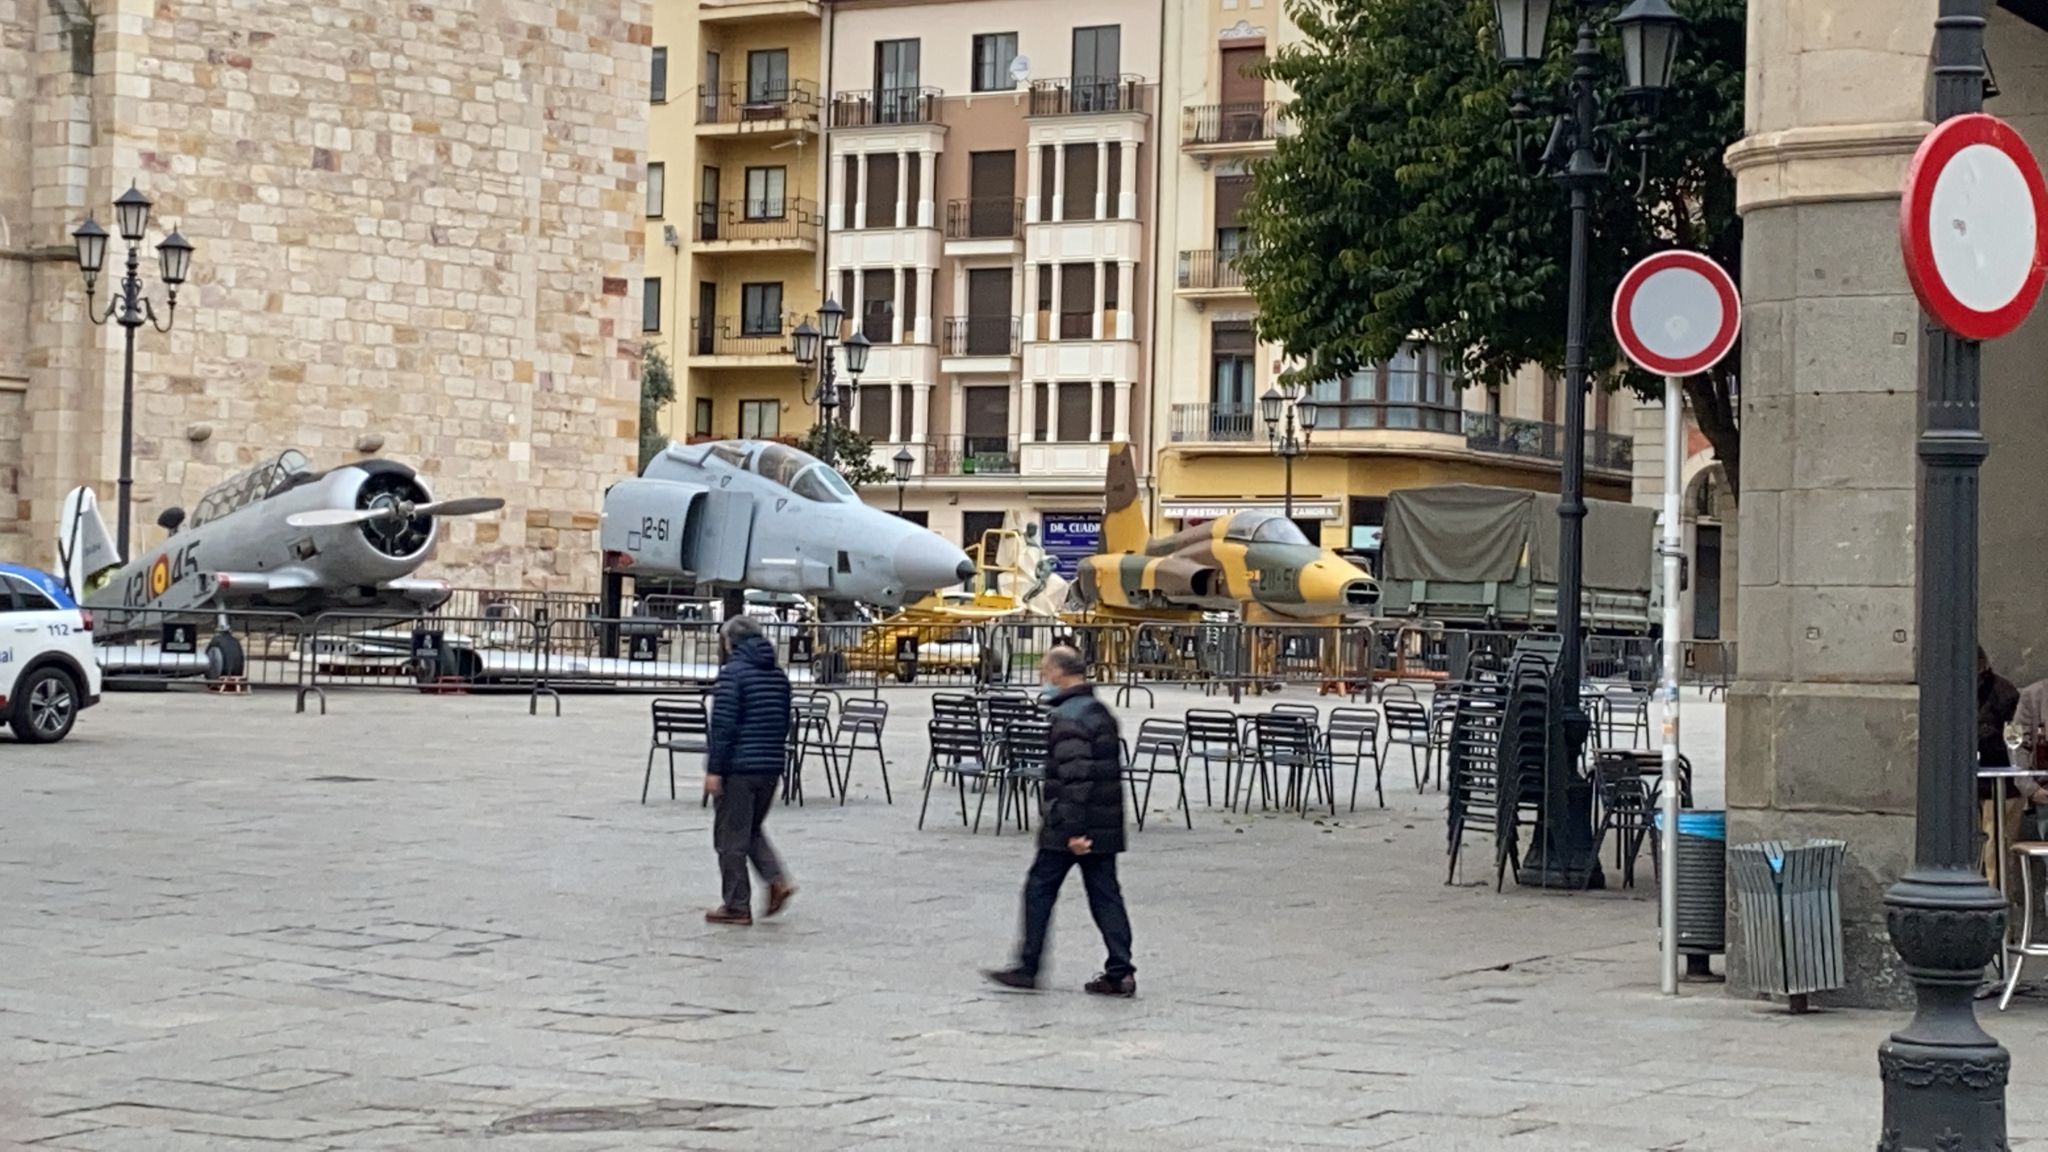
981,336
985,218
971,456
753,224
1230,127
1335,419
753,108
1206,271
872,107
731,337
1087,95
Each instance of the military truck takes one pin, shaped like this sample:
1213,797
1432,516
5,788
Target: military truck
1474,556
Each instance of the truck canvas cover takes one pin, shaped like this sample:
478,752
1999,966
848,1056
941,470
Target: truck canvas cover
1468,533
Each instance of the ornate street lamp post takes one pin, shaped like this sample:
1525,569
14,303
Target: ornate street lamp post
1579,143
903,461
812,347
1944,1077
1282,407
131,309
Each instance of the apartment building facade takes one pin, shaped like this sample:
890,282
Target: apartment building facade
1406,423
734,225
990,185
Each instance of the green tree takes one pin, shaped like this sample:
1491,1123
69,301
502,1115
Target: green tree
851,453
657,390
1400,207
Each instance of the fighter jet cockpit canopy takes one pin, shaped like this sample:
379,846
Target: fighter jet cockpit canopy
246,487
1265,528
794,469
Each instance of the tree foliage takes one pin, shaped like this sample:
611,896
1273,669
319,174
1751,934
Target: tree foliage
851,453
657,390
1400,207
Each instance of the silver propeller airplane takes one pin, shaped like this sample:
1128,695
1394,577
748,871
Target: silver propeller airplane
753,514
279,536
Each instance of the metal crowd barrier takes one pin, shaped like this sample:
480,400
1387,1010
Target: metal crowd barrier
153,648
1708,665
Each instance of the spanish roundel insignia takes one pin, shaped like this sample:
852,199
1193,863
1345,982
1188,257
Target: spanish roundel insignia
159,577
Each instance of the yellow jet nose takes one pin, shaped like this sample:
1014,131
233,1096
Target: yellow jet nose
1338,584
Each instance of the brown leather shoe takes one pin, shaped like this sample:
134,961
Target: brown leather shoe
778,895
738,917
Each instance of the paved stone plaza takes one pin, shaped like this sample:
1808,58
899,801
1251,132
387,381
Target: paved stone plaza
435,924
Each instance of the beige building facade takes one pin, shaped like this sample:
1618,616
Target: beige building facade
1406,423
1822,724
989,209
418,235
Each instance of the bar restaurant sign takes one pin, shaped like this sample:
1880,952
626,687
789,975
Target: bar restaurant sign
1303,510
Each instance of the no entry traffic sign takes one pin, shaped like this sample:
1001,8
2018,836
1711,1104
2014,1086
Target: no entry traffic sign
1970,225
1677,313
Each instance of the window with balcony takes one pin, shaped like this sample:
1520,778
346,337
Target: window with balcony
1098,62
1077,302
993,52
878,305
657,78
875,407
1077,199
650,304
765,193
1411,391
896,82
700,418
1233,381
657,189
768,76
883,182
761,309
760,419
986,421
1075,423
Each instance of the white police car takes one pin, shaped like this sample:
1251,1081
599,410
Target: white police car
47,670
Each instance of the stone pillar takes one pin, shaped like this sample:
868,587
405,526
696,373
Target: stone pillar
1127,187
903,192
895,410
1059,182
1034,173
860,194
1121,399
920,411
1102,180
1053,321
922,330
1024,407
1095,411
898,322
927,184
1095,320
1822,724
835,195
1126,310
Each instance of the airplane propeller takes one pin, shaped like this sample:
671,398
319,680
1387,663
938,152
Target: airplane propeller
401,510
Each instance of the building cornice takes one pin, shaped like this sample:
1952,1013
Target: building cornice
1834,162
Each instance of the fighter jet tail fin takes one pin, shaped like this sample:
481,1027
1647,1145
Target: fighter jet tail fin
84,550
1123,514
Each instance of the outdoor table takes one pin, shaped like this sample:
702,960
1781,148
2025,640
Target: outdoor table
2001,847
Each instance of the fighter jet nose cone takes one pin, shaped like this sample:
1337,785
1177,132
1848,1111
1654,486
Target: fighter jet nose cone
926,561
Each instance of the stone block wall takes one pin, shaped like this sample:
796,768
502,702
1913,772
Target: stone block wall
418,233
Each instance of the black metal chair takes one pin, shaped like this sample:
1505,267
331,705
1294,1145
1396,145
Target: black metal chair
811,734
1158,739
1026,754
956,751
1627,708
861,723
1353,736
953,706
1288,749
1212,737
1626,811
1443,708
1409,726
680,725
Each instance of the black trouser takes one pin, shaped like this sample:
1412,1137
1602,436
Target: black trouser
736,834
1105,901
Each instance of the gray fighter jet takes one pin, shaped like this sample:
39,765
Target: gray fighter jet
748,514
279,536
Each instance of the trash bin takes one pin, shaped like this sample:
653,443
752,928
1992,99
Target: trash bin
1789,899
1702,886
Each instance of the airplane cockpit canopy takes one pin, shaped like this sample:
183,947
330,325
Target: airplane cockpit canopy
1264,528
246,487
791,468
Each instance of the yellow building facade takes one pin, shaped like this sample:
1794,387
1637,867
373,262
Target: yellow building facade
1407,423
734,227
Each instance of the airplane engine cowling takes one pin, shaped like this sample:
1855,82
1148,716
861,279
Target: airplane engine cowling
396,538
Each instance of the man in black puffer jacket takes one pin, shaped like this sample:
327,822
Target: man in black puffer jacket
749,727
1083,824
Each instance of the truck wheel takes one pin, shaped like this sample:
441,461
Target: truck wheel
224,657
46,707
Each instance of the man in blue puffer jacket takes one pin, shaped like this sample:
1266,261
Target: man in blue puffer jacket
749,727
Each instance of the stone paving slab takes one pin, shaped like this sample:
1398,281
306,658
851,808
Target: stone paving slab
434,924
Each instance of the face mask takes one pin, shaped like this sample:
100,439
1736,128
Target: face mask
1048,691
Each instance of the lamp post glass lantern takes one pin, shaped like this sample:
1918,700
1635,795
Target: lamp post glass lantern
1563,853
1289,418
813,348
903,461
131,308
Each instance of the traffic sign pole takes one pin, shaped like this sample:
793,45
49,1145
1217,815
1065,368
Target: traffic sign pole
1677,314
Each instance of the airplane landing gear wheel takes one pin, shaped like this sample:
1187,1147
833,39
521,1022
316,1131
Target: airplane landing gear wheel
224,657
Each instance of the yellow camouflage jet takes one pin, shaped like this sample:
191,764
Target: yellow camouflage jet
1254,562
